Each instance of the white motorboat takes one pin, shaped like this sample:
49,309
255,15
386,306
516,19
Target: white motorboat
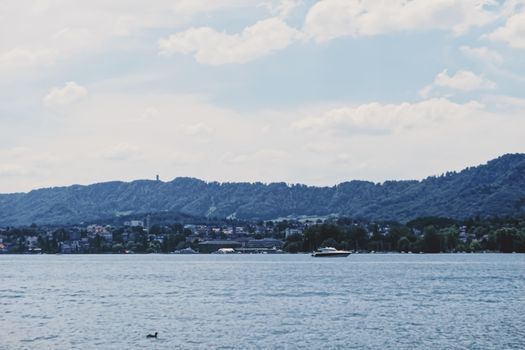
330,252
225,251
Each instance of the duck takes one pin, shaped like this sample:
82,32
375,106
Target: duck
152,335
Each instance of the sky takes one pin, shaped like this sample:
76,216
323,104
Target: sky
296,91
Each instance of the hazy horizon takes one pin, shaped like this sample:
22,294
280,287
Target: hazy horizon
295,91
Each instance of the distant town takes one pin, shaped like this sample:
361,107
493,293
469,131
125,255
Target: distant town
429,235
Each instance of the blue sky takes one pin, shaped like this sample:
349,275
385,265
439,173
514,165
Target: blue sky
316,92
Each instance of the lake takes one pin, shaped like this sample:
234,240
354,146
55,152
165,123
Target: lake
373,301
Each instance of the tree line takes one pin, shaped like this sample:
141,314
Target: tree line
428,235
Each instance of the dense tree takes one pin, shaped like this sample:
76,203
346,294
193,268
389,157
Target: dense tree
423,222
431,240
117,235
359,236
449,238
509,240
396,232
294,244
317,234
403,245
96,244
117,248
155,230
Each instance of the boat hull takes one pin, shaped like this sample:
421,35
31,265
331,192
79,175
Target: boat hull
330,255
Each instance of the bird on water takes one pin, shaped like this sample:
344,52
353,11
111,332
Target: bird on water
152,335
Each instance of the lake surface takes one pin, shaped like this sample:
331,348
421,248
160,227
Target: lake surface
375,301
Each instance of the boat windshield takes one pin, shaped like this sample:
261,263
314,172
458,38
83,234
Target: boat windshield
327,249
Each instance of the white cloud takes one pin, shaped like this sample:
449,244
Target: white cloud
266,129
271,155
124,25
198,129
68,94
380,119
483,54
149,115
44,32
513,32
317,147
506,104
20,57
265,156
192,7
183,159
282,8
76,39
462,80
232,158
58,45
274,7
335,18
121,151
216,48
12,170
22,162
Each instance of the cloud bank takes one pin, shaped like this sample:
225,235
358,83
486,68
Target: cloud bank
70,93
215,48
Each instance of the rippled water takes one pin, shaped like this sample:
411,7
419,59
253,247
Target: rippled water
391,301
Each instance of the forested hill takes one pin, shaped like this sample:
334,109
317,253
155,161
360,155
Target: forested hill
496,188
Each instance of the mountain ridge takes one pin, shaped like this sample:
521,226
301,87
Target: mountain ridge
496,188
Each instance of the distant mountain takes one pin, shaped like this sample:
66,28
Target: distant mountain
496,188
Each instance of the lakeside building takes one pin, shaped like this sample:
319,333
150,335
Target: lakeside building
75,235
134,223
69,247
213,246
291,231
264,243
